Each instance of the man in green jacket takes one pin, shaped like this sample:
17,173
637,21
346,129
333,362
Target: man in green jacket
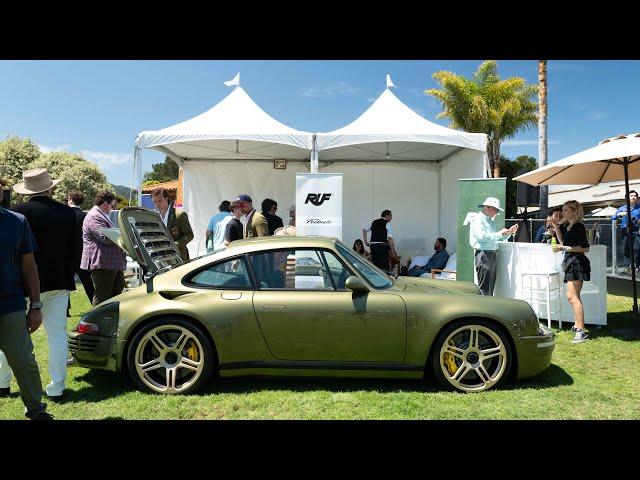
175,220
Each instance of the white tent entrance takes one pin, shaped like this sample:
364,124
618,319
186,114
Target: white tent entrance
390,158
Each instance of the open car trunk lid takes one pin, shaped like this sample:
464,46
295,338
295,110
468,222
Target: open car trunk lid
144,237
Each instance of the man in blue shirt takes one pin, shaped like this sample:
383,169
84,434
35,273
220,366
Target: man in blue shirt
19,273
438,260
621,214
211,229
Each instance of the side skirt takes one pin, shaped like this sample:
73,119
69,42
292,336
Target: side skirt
322,369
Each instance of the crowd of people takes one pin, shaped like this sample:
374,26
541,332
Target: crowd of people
46,243
226,226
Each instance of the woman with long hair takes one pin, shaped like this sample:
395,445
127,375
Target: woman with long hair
576,266
358,246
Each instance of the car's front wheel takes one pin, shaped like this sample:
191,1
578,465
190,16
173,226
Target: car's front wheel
170,356
471,356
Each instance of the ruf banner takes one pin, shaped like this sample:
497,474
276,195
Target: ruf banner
319,204
471,193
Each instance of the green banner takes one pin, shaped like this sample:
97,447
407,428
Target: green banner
471,193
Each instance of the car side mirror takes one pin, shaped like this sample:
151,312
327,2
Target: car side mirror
356,285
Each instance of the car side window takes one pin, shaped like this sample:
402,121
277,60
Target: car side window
337,270
291,269
229,274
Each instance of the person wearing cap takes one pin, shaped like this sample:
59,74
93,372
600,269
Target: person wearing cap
19,275
484,238
54,228
215,236
234,230
256,225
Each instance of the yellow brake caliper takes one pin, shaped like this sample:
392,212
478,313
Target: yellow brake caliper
449,361
192,352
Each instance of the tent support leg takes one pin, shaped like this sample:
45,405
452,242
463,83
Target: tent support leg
636,324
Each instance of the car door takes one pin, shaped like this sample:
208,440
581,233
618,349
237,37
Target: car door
305,313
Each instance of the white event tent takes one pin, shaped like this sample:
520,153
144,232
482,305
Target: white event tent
390,158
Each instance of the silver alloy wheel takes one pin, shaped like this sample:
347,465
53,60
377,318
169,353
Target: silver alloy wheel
479,355
167,347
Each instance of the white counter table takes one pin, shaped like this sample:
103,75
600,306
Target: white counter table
514,259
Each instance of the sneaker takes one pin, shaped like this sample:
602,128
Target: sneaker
43,416
580,336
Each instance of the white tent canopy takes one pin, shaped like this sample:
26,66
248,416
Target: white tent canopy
391,158
235,128
389,130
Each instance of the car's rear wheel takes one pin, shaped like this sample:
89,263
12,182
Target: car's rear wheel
170,356
471,356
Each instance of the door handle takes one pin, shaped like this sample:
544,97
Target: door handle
274,307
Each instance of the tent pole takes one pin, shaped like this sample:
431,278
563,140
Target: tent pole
314,156
636,325
136,159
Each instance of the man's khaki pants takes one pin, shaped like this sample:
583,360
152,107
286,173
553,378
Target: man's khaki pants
54,320
17,353
108,283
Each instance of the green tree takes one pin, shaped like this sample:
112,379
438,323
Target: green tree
15,155
510,169
75,173
163,172
487,104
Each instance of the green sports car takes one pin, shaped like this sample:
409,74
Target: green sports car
298,306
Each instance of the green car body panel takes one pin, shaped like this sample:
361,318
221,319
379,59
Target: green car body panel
385,332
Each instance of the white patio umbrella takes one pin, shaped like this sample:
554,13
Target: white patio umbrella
608,211
613,159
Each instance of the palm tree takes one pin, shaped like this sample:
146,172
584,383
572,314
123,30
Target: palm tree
486,104
542,132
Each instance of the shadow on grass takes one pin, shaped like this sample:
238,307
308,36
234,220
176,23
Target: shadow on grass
619,325
554,376
105,385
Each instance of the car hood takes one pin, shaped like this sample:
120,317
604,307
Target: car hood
432,285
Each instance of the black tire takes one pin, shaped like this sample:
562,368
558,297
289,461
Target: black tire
498,367
190,368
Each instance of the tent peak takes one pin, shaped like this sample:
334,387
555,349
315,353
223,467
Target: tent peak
233,82
390,82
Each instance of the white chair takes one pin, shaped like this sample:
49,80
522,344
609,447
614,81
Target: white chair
533,289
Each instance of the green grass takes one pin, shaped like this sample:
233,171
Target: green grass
595,380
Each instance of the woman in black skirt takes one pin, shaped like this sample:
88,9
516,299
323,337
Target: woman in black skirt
577,269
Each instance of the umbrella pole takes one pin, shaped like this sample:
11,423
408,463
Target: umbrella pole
636,324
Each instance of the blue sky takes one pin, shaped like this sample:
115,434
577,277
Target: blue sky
98,107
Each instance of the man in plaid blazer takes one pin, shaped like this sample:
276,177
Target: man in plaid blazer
104,259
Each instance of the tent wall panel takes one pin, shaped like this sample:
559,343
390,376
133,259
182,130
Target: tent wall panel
465,164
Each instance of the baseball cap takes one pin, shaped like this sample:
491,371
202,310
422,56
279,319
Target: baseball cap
243,197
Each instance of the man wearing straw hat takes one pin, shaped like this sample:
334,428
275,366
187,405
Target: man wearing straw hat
53,225
484,239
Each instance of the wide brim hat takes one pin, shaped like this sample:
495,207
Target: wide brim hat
35,181
288,231
491,202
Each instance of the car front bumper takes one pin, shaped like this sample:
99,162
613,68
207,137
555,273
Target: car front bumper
534,353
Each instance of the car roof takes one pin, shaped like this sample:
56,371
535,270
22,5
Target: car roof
264,243
249,245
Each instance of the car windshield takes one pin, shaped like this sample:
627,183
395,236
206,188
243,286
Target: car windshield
373,274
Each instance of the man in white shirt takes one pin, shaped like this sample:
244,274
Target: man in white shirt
381,240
